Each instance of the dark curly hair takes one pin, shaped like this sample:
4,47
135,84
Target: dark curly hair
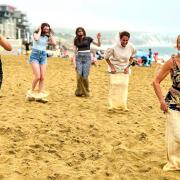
124,33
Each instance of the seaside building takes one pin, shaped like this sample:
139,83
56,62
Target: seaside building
13,23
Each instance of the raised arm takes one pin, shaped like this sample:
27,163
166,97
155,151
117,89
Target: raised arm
5,44
156,83
98,43
37,35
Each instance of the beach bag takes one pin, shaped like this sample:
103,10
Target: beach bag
173,141
118,90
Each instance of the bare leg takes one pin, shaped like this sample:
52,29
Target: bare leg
42,77
36,72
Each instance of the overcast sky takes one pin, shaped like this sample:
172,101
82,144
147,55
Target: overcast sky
132,15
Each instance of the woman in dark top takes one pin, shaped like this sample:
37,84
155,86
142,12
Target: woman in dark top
83,60
171,106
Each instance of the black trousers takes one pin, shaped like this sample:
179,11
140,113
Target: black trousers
1,73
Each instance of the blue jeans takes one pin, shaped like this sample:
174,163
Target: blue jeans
83,63
40,57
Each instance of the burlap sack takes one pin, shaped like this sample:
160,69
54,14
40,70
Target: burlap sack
118,91
173,141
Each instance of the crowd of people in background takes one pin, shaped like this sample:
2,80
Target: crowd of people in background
146,59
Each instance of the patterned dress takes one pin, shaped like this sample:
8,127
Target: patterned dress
173,96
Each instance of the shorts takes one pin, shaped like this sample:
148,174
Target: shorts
38,56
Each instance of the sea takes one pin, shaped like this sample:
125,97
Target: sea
163,51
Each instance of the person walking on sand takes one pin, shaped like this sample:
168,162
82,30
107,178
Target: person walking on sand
83,60
171,107
38,60
119,59
150,57
7,46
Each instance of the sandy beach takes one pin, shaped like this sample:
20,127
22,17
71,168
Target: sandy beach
78,138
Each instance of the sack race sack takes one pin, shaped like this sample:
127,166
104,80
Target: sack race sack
118,91
36,96
173,141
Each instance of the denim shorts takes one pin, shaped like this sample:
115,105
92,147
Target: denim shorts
83,63
37,56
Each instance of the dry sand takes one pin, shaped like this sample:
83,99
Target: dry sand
77,138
